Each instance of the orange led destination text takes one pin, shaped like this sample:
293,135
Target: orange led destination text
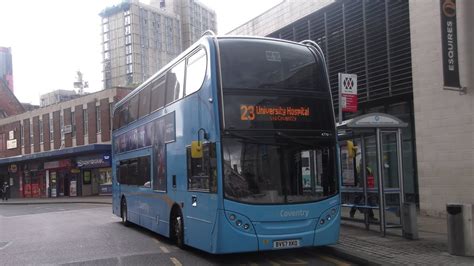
275,113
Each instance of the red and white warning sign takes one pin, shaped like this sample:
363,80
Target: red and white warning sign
348,92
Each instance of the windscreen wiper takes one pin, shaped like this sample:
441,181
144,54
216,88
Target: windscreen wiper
252,140
293,139
233,134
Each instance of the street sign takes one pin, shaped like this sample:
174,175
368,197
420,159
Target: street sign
348,92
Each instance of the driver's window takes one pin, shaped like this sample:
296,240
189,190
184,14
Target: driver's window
202,171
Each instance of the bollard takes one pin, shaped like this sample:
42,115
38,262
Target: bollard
410,227
460,226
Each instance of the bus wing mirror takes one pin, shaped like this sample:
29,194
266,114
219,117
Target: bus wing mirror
196,149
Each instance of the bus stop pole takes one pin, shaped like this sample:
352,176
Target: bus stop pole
380,177
363,172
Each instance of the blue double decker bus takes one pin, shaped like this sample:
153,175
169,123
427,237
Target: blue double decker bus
231,147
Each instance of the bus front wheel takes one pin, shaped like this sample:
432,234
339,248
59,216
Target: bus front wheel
178,229
124,213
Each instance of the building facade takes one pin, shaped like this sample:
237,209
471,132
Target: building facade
196,18
60,150
139,39
57,96
6,67
9,104
395,49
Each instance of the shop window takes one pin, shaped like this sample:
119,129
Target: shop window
86,177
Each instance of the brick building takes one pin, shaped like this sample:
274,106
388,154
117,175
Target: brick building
60,150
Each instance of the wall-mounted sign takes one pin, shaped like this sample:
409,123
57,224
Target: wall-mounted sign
13,168
11,134
75,171
94,161
375,120
449,41
57,164
12,144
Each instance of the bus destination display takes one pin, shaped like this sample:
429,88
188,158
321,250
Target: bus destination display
274,113
244,112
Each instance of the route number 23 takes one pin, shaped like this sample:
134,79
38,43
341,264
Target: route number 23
247,112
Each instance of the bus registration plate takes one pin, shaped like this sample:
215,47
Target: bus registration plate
294,243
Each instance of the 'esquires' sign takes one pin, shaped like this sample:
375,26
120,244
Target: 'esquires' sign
449,43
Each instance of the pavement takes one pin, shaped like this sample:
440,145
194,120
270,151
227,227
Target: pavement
368,247
59,200
356,243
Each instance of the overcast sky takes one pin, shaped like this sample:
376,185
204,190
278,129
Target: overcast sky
52,39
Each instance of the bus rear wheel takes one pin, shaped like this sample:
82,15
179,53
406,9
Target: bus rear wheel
178,229
124,213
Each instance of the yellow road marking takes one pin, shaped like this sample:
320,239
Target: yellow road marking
176,261
273,263
294,261
164,249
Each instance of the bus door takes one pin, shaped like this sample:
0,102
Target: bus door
201,201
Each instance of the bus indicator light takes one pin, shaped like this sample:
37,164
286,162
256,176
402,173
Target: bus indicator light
232,217
238,223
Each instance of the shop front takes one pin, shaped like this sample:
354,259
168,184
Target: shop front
96,173
59,177
32,181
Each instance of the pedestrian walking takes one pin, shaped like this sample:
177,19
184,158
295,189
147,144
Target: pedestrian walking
5,191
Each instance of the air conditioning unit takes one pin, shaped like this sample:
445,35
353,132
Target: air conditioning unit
67,129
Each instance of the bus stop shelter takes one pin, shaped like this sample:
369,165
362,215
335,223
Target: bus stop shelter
372,170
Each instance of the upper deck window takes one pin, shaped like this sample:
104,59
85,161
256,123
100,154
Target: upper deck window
264,64
196,71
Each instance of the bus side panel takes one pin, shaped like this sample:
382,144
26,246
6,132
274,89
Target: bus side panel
154,211
132,204
115,194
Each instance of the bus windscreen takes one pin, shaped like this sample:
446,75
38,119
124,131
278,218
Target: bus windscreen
262,64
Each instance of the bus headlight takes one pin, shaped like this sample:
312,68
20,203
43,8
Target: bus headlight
239,221
327,216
